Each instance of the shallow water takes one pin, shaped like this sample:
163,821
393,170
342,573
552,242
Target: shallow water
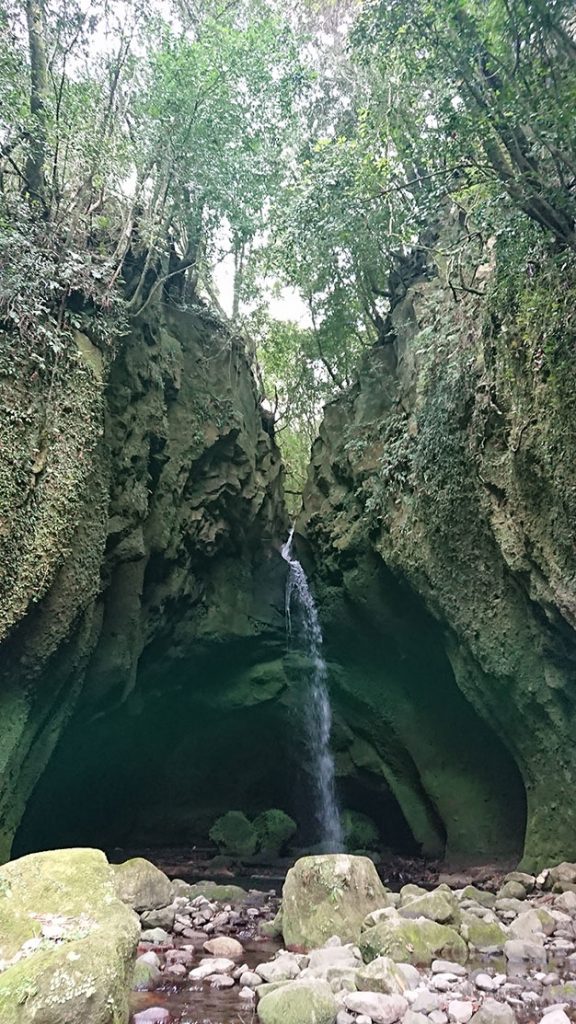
197,1003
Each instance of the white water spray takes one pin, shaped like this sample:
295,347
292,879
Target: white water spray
317,711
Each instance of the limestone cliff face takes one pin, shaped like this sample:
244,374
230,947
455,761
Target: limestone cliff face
140,511
440,515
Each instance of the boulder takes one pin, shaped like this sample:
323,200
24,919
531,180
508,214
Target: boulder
217,892
493,1012
485,899
512,890
416,942
381,975
161,918
284,968
436,906
69,944
328,895
563,874
516,949
382,1009
224,945
485,935
302,1002
141,885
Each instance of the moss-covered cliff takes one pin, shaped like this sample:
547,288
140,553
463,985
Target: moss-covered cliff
140,513
440,515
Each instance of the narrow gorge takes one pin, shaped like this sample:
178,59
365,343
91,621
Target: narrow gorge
287,512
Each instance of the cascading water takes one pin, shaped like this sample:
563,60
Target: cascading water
317,710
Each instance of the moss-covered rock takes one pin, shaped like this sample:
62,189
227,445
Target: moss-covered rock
274,829
217,891
235,834
141,884
381,975
436,906
300,1002
360,832
67,943
328,895
416,942
484,935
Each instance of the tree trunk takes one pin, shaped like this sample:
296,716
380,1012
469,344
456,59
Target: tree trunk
36,162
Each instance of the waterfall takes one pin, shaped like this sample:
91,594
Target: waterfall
317,712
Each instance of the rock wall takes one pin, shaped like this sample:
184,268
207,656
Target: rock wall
141,510
439,517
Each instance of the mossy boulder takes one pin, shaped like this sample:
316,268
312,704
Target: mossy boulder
301,1002
215,891
67,943
233,833
329,895
274,829
416,942
485,899
360,832
141,884
381,975
485,935
436,906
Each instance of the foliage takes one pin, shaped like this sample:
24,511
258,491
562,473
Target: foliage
275,829
234,834
360,832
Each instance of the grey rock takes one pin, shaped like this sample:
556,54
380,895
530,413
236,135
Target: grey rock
516,949
493,1012
443,966
382,1009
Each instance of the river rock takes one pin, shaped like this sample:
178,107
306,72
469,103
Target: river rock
154,1015
382,975
416,942
250,979
555,1016
434,905
485,899
141,884
224,945
334,956
516,949
493,1012
328,895
156,936
284,968
511,890
302,1002
460,1011
566,901
88,976
161,918
444,966
217,965
413,1017
485,935
382,1009
426,1002
145,975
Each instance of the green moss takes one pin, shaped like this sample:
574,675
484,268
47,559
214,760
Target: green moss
234,834
414,942
274,829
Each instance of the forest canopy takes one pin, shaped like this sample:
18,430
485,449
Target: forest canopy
146,147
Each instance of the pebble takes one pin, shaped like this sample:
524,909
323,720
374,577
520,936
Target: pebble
250,979
247,993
